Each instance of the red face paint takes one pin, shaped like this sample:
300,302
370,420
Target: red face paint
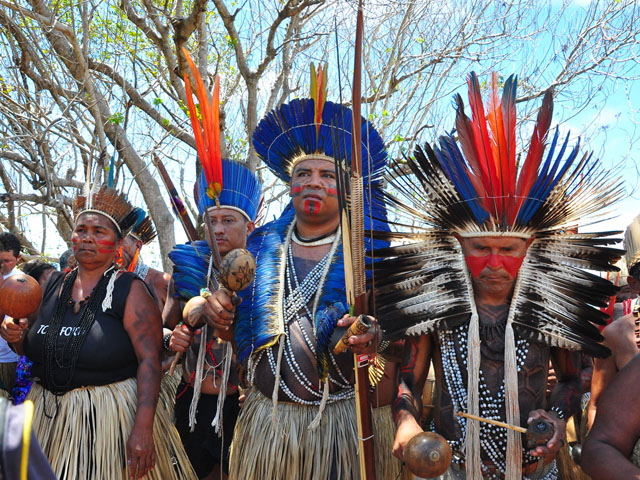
296,189
477,264
106,243
332,191
311,206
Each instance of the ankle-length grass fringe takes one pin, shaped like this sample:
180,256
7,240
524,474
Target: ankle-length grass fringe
291,451
169,387
387,466
87,437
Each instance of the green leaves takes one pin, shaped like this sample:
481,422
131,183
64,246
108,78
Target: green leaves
116,118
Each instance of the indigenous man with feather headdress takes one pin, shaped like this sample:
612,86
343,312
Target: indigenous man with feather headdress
228,196
494,285
205,411
299,420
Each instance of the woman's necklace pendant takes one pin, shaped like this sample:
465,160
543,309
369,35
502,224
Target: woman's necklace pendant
76,307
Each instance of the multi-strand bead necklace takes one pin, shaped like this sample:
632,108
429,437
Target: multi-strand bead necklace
493,439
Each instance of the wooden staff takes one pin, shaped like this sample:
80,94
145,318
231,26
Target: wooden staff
176,201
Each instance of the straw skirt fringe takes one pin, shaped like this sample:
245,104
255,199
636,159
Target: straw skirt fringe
387,466
168,389
87,438
289,450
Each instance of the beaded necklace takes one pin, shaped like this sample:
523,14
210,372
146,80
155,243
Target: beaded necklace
298,297
325,239
62,358
493,439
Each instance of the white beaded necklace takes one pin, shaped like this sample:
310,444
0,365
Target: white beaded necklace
313,243
296,304
493,439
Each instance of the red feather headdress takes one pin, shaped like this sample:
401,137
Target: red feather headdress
207,132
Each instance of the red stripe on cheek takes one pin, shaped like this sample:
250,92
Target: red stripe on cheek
511,264
106,243
296,190
332,192
476,264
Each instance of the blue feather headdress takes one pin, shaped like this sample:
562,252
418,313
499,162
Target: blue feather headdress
290,134
241,190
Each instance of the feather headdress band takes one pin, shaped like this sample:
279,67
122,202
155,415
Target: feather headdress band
473,187
241,191
111,204
632,247
143,229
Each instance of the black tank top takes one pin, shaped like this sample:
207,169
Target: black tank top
107,354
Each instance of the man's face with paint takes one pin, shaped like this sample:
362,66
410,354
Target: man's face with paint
494,262
313,189
94,240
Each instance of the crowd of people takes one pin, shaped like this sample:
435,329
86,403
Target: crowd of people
137,373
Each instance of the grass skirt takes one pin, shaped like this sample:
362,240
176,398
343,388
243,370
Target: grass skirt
387,466
289,450
88,435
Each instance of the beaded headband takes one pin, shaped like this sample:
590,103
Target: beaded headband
229,207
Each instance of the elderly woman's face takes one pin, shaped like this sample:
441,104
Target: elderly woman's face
94,239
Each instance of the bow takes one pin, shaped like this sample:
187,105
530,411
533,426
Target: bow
352,226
